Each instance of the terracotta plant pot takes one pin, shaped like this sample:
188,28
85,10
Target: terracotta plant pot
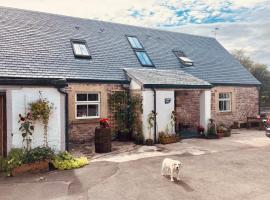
36,167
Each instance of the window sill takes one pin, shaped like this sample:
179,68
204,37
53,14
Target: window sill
225,112
85,120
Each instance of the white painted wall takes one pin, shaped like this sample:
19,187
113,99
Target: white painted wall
18,99
134,85
148,106
205,107
164,111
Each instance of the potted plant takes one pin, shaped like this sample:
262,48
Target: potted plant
124,135
138,138
34,160
212,130
200,129
168,138
103,137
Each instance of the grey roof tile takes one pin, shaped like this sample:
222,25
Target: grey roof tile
176,78
37,45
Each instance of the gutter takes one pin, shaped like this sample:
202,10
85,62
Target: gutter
33,82
172,86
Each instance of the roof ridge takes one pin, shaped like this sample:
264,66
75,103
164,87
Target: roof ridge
97,20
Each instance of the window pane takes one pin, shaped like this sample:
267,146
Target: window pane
135,43
81,97
227,106
93,110
221,106
92,97
84,50
77,49
147,59
81,110
141,58
144,59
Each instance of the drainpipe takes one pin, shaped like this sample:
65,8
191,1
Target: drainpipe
259,93
155,116
66,116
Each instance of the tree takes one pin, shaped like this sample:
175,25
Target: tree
259,71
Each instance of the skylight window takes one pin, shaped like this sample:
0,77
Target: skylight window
134,42
143,58
140,51
80,49
183,58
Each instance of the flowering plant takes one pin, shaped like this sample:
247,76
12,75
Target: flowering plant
104,123
27,128
200,129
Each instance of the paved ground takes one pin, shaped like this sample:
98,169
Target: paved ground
233,168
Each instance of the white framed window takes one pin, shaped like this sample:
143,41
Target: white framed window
225,102
87,105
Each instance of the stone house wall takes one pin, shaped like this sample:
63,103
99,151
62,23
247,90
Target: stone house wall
245,103
82,130
187,103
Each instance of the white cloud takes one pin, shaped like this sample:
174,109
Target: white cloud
253,38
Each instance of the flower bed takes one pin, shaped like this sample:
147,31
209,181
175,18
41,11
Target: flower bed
37,160
168,138
36,167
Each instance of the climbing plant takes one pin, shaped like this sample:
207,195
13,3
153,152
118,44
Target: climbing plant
126,110
150,121
41,111
26,128
172,121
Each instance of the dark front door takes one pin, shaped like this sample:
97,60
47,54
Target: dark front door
3,132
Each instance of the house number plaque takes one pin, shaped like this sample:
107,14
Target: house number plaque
167,100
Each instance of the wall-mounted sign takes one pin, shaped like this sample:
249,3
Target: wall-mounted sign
167,100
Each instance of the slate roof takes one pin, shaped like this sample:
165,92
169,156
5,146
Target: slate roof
37,45
165,78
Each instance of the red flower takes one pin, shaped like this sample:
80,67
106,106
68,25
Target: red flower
104,122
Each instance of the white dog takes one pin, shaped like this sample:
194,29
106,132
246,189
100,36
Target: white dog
171,167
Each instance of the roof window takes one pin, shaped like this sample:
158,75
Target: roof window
183,58
144,58
80,49
134,42
140,51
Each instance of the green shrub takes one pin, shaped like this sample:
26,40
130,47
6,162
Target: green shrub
38,154
14,159
65,160
17,157
139,139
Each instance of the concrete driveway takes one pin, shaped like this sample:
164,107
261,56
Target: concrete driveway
229,168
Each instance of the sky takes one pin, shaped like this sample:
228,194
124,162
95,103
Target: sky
236,24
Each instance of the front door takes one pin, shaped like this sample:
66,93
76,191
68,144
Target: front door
3,133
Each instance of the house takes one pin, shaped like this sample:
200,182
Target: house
77,63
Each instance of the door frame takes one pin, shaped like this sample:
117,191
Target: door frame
4,118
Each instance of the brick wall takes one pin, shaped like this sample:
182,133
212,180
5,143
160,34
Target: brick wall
82,130
188,107
245,103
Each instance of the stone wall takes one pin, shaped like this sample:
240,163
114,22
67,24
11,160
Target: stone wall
82,130
188,107
245,102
